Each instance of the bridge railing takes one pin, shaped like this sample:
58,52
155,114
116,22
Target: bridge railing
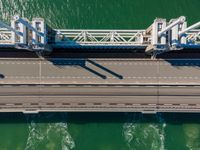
5,36
100,37
193,36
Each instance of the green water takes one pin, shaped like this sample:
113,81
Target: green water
100,131
123,14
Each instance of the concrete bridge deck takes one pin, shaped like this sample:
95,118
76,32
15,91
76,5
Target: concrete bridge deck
137,85
100,71
147,99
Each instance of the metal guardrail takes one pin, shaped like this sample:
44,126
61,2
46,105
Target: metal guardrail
194,36
54,107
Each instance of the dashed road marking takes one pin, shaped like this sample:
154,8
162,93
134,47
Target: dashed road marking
93,77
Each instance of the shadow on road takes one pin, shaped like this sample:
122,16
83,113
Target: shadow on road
184,63
87,64
105,69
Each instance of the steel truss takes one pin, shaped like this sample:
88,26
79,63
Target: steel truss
100,37
5,36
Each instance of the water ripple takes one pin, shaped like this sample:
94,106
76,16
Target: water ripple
39,134
139,134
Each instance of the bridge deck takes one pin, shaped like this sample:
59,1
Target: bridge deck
146,99
100,71
99,85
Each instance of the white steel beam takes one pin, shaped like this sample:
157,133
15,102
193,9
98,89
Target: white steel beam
194,26
169,27
2,24
24,22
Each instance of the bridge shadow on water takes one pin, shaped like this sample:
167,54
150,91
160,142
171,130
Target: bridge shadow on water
101,117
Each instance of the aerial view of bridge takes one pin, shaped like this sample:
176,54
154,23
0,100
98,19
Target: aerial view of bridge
51,82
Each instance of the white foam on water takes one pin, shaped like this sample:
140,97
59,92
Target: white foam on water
10,8
35,136
38,135
141,135
192,136
61,128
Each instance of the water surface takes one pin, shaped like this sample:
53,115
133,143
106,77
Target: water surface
100,131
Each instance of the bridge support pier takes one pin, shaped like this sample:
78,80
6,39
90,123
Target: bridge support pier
157,42
21,41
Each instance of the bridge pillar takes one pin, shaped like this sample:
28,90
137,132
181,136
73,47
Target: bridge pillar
39,37
21,39
165,36
173,34
36,35
175,38
158,25
183,39
157,42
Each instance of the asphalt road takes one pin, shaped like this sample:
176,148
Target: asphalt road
100,71
99,85
148,99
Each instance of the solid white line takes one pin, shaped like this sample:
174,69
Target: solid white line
136,83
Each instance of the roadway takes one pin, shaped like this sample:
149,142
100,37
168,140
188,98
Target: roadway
147,99
100,71
37,85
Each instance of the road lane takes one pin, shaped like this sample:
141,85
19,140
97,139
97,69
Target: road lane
100,90
100,74
99,71
147,99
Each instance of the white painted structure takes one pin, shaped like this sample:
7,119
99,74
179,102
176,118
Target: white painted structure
22,37
101,38
172,35
160,37
39,38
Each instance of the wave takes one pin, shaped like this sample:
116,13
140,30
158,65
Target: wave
192,136
40,133
139,134
51,11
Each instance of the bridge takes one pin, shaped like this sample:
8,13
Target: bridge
63,84
48,84
161,36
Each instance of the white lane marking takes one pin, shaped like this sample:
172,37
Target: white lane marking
18,63
93,77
